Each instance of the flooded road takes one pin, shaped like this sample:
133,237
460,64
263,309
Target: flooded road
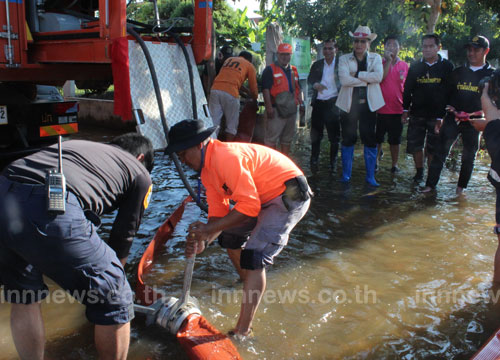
368,273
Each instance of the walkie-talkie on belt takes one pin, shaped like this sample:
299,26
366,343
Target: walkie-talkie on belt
56,187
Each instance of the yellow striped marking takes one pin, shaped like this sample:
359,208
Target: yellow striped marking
52,130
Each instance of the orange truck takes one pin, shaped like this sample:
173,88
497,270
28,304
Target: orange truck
47,42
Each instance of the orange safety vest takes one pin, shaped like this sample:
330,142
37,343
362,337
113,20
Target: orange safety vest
280,82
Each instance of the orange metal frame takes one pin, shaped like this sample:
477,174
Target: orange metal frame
53,57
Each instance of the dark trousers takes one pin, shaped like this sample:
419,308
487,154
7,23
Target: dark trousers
325,114
491,136
360,113
447,136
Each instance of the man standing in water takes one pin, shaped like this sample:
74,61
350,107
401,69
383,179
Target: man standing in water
389,116
360,74
280,80
324,80
271,195
463,96
424,100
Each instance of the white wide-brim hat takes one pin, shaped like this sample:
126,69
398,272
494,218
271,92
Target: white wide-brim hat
363,32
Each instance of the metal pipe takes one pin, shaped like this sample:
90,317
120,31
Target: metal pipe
9,42
157,13
188,277
107,13
147,310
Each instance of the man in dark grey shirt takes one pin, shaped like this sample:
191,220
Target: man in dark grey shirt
100,178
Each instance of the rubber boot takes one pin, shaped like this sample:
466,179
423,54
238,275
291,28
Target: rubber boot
334,149
347,157
370,162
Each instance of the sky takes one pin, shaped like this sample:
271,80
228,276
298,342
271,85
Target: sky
252,5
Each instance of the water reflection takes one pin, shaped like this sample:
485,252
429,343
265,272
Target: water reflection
368,273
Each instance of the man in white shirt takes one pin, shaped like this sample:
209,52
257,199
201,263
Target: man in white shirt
324,80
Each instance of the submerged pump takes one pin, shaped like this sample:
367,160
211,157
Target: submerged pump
171,312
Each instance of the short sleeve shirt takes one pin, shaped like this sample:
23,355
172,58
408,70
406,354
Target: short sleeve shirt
392,88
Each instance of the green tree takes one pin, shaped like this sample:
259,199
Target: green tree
230,27
455,21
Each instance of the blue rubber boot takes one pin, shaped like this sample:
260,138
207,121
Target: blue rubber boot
370,162
347,157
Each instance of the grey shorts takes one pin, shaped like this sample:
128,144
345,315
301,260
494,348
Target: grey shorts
270,233
282,129
222,103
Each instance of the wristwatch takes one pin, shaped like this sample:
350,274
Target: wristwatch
496,229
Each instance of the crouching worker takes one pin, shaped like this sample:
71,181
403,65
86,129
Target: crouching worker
271,196
100,178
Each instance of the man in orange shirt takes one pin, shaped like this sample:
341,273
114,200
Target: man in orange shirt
271,195
224,94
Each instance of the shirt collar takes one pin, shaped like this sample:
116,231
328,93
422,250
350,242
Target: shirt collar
333,61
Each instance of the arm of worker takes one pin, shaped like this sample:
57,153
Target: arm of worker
201,235
234,172
387,62
130,211
346,79
302,106
245,92
314,78
491,112
407,93
252,83
268,103
267,83
319,87
376,72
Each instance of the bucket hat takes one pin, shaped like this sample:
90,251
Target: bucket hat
186,134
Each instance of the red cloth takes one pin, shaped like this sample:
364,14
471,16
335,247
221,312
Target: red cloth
121,78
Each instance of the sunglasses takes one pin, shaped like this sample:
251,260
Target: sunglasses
328,48
362,41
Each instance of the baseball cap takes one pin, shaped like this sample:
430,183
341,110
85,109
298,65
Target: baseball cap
479,41
285,48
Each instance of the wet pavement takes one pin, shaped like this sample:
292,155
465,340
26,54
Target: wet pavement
369,273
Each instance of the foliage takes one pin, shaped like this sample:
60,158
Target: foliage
457,22
230,27
143,11
493,5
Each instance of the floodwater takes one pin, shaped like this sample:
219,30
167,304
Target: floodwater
386,273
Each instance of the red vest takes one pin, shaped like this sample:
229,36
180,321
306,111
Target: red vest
280,82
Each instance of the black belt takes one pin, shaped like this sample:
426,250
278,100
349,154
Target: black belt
24,187
329,100
297,188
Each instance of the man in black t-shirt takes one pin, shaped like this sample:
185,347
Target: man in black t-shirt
463,96
100,178
424,101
